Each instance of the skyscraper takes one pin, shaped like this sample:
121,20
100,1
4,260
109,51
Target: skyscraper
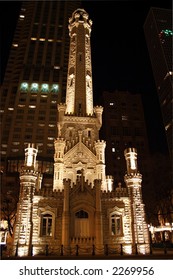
158,32
34,82
123,111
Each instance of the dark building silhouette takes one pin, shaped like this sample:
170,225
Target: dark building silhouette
158,33
34,82
124,126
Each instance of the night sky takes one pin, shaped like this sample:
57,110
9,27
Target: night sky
120,58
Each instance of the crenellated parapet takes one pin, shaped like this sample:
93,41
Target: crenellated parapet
133,179
115,194
61,107
49,193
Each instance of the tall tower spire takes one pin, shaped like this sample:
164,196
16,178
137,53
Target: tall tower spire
77,147
79,95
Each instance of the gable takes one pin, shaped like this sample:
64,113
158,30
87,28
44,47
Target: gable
79,153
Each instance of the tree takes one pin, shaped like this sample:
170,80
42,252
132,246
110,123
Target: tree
8,209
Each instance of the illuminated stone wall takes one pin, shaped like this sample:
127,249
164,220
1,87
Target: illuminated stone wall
114,216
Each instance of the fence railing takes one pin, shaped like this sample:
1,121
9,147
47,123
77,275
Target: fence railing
79,250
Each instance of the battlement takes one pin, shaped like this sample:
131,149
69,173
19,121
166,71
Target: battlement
130,150
48,193
100,142
59,140
61,106
133,176
29,171
98,109
117,193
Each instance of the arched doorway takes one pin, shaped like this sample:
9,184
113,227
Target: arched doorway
82,224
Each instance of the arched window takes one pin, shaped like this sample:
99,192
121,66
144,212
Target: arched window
46,229
116,224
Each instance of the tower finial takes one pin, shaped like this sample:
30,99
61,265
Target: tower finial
131,160
30,155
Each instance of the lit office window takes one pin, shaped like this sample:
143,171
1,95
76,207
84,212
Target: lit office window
34,87
45,88
24,87
55,88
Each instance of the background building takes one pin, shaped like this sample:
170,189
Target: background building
123,126
158,33
34,81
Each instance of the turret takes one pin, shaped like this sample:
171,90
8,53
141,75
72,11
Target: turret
100,162
133,180
131,160
61,113
30,156
58,164
28,184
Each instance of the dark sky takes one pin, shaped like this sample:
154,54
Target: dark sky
120,58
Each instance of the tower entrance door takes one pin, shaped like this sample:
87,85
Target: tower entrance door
81,224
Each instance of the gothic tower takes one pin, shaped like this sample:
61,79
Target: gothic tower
79,161
77,147
133,181
29,181
81,210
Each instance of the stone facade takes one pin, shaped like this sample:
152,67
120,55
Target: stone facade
82,209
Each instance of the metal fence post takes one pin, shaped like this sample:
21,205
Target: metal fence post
47,249
93,251
61,250
77,250
136,248
121,253
16,253
106,249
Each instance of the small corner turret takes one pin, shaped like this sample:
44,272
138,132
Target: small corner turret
131,160
30,156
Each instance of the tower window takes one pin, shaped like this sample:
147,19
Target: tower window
80,56
79,108
89,133
116,225
71,82
46,225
